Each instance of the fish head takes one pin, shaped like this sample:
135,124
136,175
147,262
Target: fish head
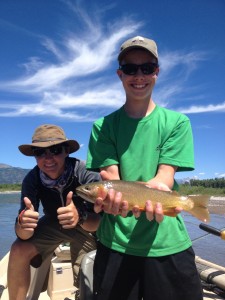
90,192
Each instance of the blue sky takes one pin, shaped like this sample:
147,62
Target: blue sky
58,65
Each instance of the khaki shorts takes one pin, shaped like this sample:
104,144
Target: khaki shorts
49,235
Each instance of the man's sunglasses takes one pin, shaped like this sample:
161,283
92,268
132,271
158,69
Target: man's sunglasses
54,150
132,69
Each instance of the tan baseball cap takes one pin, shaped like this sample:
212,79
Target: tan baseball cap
48,135
138,42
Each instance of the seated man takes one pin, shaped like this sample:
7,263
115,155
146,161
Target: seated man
67,218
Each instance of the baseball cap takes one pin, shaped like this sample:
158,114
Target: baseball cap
138,42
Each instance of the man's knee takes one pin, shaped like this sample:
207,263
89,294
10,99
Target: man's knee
23,249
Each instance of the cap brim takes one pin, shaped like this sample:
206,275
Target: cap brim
27,149
120,56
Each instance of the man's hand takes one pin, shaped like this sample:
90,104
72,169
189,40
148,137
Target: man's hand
28,218
68,215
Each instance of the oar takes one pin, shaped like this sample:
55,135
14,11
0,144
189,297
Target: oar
213,230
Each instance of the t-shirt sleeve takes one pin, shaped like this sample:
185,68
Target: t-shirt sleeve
102,146
178,149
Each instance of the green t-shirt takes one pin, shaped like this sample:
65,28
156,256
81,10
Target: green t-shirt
138,146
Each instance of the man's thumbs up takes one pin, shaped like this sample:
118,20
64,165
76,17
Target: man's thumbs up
28,218
28,203
68,215
69,198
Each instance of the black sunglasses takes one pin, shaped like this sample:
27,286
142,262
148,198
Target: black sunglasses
54,150
131,69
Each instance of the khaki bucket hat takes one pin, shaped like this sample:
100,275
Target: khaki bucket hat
48,135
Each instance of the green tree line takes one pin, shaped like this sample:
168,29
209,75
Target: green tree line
213,187
218,183
10,187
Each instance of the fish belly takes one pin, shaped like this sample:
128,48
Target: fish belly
138,194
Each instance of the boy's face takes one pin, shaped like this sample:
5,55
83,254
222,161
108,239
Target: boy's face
138,86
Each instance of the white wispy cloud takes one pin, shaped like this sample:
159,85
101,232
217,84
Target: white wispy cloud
79,82
203,108
220,175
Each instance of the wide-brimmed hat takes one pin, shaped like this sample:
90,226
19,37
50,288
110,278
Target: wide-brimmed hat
138,42
48,135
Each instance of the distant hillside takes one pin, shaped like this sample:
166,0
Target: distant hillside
5,166
11,175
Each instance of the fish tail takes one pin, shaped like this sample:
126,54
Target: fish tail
200,209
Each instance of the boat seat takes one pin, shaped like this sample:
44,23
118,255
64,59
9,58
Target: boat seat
63,252
38,279
86,276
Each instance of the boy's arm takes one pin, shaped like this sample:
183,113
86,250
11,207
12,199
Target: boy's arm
110,173
164,179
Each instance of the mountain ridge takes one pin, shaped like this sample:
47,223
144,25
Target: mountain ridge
12,175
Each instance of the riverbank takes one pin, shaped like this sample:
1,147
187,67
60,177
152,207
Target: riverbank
219,200
10,192
217,205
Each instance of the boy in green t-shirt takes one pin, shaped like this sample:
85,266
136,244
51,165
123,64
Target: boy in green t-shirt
142,255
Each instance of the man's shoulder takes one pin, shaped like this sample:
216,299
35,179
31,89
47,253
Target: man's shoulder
76,163
73,160
33,172
32,178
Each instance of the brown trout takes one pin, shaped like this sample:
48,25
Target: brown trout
137,194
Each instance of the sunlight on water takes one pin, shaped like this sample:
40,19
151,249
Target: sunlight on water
207,246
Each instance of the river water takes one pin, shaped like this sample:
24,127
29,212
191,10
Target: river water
207,246
9,205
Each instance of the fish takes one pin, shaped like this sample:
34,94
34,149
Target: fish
137,194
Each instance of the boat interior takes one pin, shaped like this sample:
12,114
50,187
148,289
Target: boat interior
53,280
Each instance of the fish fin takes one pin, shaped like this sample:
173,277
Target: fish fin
175,193
200,209
170,213
142,209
